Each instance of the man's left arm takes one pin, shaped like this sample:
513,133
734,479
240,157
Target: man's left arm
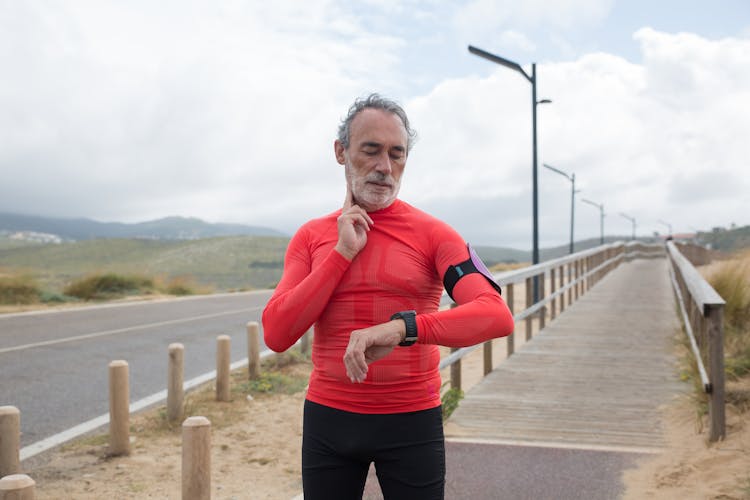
481,314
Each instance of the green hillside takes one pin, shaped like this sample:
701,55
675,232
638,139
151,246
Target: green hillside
225,263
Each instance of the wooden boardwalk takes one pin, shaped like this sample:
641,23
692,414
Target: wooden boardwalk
593,379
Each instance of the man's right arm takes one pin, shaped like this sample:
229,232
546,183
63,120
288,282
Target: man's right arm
301,295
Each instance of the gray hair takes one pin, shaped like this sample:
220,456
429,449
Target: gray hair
375,101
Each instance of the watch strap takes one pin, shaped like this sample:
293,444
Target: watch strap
410,321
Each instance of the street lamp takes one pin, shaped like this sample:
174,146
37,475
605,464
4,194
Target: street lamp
632,221
535,203
601,217
668,226
572,179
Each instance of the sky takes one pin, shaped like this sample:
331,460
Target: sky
227,111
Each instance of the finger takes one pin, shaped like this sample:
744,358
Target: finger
349,198
354,359
356,218
362,214
354,369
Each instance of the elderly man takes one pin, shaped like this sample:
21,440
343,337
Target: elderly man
369,277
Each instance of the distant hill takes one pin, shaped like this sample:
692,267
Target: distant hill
726,240
169,228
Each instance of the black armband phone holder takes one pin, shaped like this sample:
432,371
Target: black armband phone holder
472,265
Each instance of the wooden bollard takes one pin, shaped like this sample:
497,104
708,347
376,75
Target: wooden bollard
17,487
10,440
223,355
175,382
253,350
119,408
196,459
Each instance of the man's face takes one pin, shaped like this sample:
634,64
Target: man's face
375,158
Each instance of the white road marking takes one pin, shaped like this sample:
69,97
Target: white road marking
110,305
124,330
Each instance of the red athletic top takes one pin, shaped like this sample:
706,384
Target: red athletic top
400,268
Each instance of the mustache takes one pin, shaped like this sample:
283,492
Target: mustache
380,178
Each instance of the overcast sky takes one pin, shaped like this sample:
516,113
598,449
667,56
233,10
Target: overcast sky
227,111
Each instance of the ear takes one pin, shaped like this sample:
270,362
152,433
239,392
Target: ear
338,150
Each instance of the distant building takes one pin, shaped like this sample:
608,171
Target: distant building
35,237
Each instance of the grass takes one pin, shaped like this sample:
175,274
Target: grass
731,280
23,289
19,289
109,286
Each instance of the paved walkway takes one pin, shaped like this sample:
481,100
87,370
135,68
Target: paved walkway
577,405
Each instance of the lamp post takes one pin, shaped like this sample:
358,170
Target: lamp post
600,206
535,203
572,179
669,226
632,221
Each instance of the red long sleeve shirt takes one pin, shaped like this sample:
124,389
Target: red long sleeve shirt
401,268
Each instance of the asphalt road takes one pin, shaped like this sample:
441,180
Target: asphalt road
54,365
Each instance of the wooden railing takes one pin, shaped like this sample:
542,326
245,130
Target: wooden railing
568,277
702,312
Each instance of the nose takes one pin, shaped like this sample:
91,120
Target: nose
384,163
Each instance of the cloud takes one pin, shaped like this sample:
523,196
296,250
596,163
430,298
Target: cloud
638,143
228,112
136,106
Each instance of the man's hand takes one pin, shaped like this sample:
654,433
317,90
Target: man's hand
353,225
371,344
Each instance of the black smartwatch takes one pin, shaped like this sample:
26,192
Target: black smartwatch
409,318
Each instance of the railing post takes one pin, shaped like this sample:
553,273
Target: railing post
510,339
576,275
529,303
119,408
456,372
175,379
552,290
304,342
10,440
569,281
196,459
17,487
561,273
715,334
543,310
487,357
223,356
253,350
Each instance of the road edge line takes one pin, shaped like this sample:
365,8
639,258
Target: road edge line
78,430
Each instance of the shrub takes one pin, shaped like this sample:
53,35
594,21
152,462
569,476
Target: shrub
18,289
181,285
450,400
732,282
108,286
